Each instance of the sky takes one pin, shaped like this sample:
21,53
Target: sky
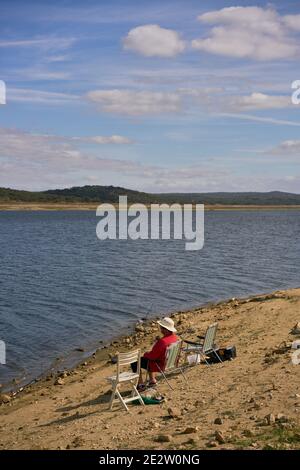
160,96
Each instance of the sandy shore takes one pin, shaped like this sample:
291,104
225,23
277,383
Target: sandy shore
31,206
252,402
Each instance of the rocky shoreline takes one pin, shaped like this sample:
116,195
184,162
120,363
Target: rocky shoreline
250,402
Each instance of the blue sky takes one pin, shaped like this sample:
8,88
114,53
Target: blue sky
155,96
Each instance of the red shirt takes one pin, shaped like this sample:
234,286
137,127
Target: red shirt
158,352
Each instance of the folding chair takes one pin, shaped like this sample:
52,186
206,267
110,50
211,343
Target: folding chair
125,359
208,346
171,363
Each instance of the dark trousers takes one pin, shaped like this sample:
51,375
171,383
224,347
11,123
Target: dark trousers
144,364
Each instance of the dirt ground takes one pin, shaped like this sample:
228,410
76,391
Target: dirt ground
252,402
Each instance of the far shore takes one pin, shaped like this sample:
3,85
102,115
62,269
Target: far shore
39,206
252,402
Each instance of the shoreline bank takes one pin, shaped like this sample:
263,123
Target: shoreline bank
69,410
70,360
18,206
65,363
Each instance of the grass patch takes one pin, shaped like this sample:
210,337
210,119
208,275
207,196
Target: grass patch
280,436
273,438
241,443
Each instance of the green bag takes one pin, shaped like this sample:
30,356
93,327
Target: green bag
152,400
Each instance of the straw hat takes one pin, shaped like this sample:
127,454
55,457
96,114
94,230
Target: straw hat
168,324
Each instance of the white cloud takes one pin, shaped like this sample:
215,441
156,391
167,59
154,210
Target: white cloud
49,43
257,101
267,120
19,143
217,100
251,17
57,58
206,99
292,22
287,147
35,161
113,139
153,41
26,95
249,32
136,103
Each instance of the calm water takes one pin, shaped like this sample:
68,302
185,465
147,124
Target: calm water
61,288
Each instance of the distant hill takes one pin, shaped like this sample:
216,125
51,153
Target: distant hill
92,194
83,194
240,198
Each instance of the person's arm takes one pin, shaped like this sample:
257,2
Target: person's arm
156,352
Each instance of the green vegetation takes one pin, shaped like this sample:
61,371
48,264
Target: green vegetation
97,194
271,438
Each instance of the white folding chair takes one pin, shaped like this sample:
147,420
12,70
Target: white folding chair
124,360
208,346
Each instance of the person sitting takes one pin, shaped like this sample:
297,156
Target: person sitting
156,357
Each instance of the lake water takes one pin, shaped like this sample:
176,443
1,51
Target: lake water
61,288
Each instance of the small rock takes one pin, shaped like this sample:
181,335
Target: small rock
190,430
5,398
218,421
59,381
296,329
269,447
219,436
164,438
174,412
192,441
211,444
139,328
281,418
270,418
63,375
199,402
285,425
